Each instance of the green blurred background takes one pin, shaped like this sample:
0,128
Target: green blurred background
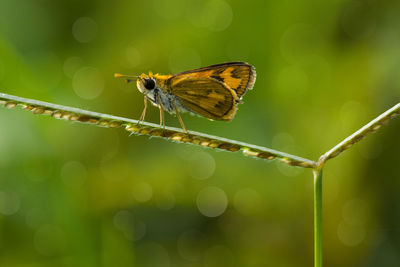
78,195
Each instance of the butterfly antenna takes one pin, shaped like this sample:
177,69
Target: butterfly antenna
118,75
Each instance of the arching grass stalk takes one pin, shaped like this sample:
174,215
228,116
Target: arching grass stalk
151,129
215,142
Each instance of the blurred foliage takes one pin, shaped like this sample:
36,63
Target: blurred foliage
73,195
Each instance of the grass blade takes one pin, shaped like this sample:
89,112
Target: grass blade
151,129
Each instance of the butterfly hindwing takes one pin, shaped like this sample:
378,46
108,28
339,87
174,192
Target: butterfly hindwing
208,97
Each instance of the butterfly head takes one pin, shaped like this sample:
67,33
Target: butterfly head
146,83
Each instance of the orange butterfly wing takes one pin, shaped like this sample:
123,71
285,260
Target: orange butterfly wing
207,97
239,76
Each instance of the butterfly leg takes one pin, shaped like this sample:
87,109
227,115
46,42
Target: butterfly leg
179,118
162,118
144,111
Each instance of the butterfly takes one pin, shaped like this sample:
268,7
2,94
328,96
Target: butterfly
212,92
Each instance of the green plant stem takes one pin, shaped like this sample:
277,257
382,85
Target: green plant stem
151,129
317,217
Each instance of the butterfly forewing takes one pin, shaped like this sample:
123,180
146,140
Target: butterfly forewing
239,76
208,97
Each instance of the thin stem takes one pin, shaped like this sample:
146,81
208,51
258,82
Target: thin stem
317,217
151,129
367,129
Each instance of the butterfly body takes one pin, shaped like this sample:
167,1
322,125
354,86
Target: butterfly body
212,92
160,95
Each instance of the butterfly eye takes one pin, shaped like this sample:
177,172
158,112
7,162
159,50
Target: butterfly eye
149,84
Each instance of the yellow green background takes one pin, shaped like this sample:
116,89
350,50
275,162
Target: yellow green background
78,195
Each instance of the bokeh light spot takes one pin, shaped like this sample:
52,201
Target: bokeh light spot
165,200
9,203
49,240
132,57
215,15
2,70
131,228
84,29
110,148
300,41
351,113
318,70
371,148
355,211
139,231
285,142
281,140
4,148
73,173
201,165
247,201
152,255
350,235
182,59
35,217
170,9
71,65
212,201
38,170
123,220
237,51
357,20
222,17
142,192
191,245
48,67
292,82
219,256
88,83
287,170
